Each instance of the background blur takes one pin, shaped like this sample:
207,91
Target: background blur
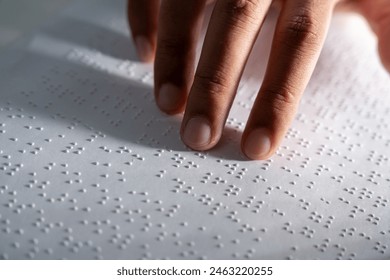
20,16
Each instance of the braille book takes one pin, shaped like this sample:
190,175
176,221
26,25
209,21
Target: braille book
91,169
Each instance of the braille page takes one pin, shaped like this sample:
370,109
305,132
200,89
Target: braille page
91,169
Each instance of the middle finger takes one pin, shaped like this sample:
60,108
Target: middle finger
232,31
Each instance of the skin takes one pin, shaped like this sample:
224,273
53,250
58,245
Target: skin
206,95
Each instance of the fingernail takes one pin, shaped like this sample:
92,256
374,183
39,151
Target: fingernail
197,133
144,48
257,144
169,97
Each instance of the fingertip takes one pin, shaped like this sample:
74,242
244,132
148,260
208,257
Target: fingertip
170,99
145,48
196,133
142,19
256,144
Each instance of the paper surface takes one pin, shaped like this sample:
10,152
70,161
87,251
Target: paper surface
89,168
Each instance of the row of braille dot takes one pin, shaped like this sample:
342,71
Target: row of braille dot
347,231
373,219
329,222
365,193
287,227
381,202
232,190
307,232
323,246
278,212
315,217
270,189
355,210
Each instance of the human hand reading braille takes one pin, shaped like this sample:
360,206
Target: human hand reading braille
207,94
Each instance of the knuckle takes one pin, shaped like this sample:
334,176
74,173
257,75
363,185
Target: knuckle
172,46
211,85
241,8
302,29
279,99
240,5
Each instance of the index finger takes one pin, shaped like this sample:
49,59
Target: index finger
299,36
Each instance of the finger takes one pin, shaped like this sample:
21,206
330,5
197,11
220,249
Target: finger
233,28
377,13
142,16
299,36
180,23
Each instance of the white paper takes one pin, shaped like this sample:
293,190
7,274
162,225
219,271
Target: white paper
89,167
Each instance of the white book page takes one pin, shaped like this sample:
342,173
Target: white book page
91,169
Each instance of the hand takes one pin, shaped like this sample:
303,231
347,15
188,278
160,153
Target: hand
207,94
